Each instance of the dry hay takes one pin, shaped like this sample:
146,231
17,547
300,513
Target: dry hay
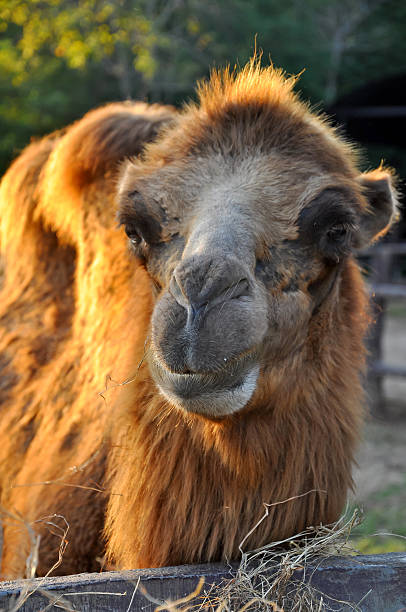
276,577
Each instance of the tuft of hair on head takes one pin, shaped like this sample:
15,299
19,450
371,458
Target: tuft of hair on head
252,84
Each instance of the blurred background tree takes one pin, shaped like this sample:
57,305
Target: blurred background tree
59,58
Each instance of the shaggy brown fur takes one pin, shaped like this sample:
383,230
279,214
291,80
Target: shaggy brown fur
238,326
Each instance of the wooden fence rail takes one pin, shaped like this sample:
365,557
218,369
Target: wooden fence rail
366,583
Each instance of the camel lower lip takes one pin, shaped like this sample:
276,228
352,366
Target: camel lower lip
214,394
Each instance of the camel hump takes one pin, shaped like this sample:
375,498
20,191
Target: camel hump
107,135
89,151
19,191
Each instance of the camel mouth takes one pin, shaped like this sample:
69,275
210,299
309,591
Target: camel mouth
213,394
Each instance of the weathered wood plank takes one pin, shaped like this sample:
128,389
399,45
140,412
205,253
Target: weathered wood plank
370,112
393,248
380,579
161,583
381,259
380,368
388,290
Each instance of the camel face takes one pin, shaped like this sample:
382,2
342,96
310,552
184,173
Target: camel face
241,256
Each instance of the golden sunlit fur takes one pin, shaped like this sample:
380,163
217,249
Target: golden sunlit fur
76,309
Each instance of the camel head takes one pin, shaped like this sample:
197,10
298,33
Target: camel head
244,214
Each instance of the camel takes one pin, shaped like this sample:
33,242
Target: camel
182,324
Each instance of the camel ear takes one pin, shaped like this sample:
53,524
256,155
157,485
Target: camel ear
382,211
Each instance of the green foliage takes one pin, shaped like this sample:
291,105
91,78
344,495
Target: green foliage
58,58
78,33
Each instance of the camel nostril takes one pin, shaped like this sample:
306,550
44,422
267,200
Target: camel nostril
196,309
177,293
241,288
237,290
198,284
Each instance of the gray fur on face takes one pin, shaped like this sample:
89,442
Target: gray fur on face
246,257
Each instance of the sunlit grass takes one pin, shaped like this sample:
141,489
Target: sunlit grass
373,545
384,513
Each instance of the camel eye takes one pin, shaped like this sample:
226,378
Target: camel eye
133,235
335,241
337,233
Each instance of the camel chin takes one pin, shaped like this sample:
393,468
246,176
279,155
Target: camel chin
214,394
